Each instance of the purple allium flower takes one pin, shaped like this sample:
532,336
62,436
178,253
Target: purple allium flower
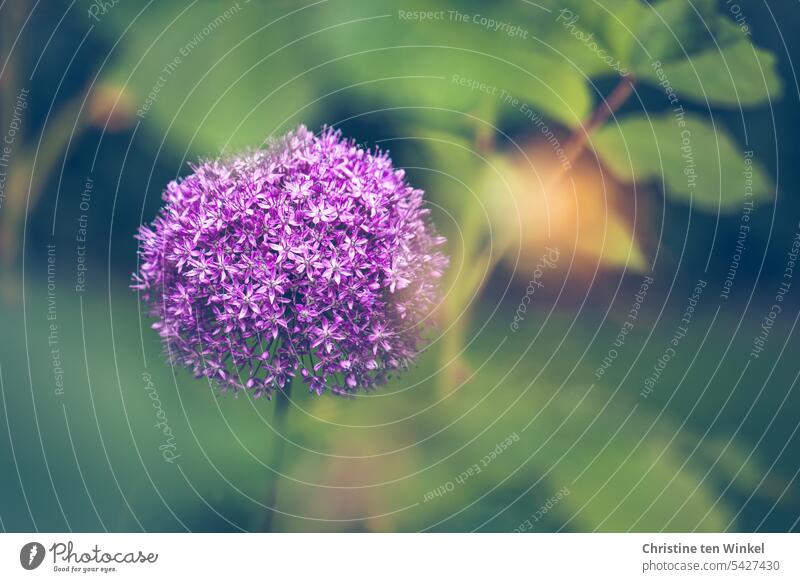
312,257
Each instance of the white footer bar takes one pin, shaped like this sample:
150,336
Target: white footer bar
415,557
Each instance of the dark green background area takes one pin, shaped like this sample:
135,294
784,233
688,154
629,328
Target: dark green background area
710,448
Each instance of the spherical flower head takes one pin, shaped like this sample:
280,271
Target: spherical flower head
311,258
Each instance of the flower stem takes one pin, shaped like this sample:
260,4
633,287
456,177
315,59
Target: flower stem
615,100
283,399
580,137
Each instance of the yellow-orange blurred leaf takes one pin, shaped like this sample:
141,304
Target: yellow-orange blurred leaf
582,211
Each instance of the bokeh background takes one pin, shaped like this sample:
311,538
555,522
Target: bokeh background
618,182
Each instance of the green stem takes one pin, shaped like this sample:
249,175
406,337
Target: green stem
283,399
479,259
455,311
604,110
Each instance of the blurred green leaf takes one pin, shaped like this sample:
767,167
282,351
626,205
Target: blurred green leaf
673,30
440,63
582,210
620,249
452,166
698,163
611,24
704,55
616,460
